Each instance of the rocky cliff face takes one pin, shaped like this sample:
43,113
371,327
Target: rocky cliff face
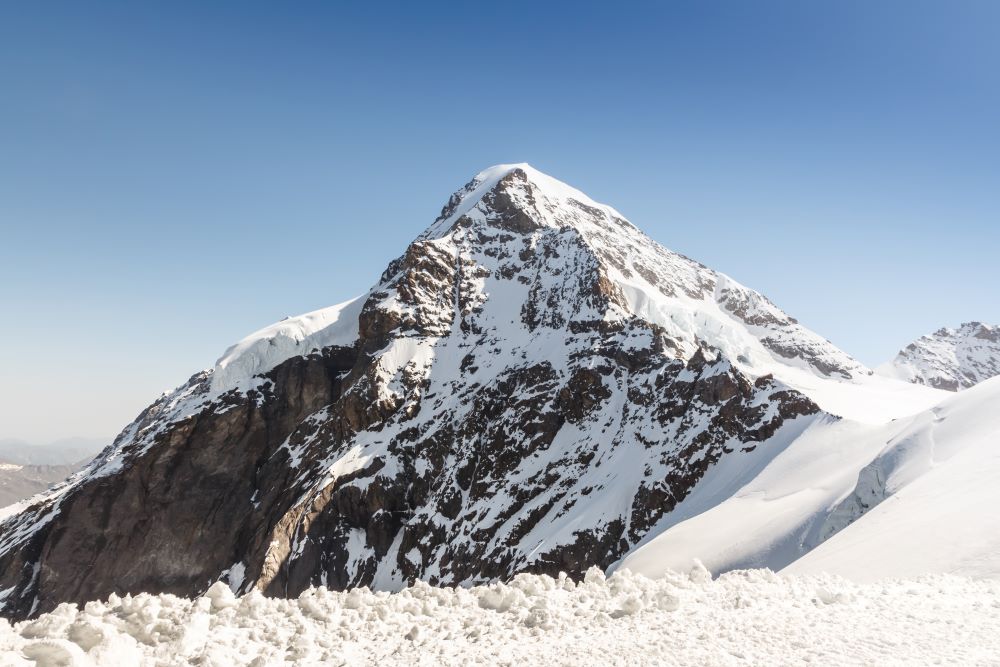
531,386
951,359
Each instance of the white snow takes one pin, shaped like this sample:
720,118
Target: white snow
916,470
13,508
936,470
949,358
557,191
939,480
693,303
745,617
264,349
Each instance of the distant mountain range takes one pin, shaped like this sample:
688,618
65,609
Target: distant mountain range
65,451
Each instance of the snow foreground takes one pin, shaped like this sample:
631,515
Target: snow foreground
743,617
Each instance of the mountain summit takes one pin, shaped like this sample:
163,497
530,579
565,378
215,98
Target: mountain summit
533,385
951,359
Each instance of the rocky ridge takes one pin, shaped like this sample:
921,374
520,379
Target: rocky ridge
950,359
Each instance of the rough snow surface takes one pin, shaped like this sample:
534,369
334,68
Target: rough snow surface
950,359
744,617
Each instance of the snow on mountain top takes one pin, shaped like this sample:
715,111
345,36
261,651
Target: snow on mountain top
264,349
533,384
951,359
692,303
468,197
685,297
749,617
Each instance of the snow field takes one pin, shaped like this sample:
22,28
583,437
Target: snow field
743,617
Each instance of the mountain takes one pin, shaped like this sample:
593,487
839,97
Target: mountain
63,452
951,359
534,385
913,496
939,471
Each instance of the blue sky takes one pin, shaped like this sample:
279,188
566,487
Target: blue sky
176,175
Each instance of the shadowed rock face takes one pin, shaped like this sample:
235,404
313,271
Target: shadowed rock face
175,515
501,410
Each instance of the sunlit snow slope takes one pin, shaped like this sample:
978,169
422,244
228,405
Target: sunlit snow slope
929,499
913,496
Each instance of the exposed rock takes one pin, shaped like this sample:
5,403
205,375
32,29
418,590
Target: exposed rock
949,359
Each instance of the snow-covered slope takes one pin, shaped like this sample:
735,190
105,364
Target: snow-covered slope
927,502
951,359
905,498
533,385
262,350
690,301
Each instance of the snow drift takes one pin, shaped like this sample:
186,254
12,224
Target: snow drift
744,617
910,497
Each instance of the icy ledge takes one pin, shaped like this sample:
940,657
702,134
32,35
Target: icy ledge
743,617
262,350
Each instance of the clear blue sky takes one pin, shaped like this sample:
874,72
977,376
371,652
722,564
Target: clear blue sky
176,175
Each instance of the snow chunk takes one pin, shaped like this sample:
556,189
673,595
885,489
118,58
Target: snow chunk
746,617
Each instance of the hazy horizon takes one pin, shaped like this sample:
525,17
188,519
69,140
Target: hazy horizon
70,439
176,177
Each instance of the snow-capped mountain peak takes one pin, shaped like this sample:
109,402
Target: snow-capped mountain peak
533,385
527,188
951,359
693,303
499,221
